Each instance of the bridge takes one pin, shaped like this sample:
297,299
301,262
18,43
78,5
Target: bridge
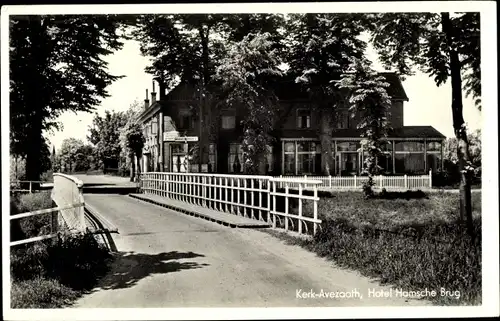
166,258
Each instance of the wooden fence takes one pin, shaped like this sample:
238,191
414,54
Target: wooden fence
255,197
67,194
405,182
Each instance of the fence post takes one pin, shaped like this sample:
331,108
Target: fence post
406,181
381,183
300,208
274,204
315,208
430,178
286,207
30,187
330,179
355,181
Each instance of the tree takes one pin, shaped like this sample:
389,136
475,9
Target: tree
320,48
75,155
104,134
134,138
189,48
369,99
128,153
247,75
56,66
443,46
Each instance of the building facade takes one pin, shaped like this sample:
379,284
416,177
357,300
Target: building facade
172,130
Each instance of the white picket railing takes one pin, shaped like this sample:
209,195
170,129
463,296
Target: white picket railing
407,182
67,194
250,196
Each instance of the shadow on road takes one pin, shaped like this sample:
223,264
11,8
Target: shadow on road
129,268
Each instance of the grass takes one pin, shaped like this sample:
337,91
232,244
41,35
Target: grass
411,244
51,273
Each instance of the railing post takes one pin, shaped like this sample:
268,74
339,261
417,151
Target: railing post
286,206
226,194
430,178
315,208
274,204
406,181
30,187
245,197
330,180
381,182
252,201
355,184
260,199
300,208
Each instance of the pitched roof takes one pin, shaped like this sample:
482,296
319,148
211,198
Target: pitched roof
288,89
396,90
403,132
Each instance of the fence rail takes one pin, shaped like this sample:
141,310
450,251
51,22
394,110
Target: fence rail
25,186
67,194
254,197
356,182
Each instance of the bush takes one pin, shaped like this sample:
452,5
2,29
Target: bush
34,225
40,293
74,260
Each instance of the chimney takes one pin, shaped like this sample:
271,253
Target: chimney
162,89
146,101
153,94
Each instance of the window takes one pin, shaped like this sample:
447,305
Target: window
308,159
228,122
185,119
303,118
348,146
409,157
212,162
409,147
289,164
343,119
235,161
434,146
154,126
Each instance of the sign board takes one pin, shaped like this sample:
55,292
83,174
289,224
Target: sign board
179,139
185,139
168,136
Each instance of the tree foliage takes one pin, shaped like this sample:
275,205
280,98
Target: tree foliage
56,65
247,75
104,134
369,99
132,139
320,48
75,156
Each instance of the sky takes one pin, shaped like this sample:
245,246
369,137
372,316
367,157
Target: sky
427,105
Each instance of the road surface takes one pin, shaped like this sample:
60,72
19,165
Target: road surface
169,259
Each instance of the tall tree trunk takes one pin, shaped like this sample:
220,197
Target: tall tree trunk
34,148
132,167
325,136
459,126
203,99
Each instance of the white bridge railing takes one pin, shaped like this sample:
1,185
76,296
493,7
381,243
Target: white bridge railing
404,182
67,194
250,196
